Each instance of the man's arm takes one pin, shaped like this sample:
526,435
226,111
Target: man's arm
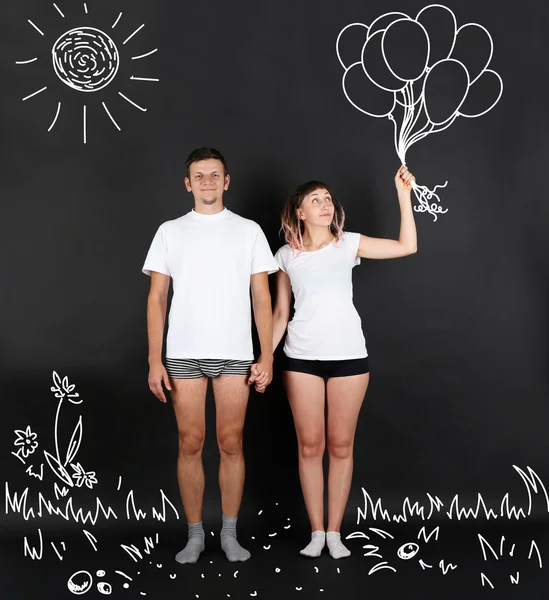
263,317
157,303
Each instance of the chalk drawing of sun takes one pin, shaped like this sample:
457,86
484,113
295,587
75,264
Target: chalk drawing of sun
87,59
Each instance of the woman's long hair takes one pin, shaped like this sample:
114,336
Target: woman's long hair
293,227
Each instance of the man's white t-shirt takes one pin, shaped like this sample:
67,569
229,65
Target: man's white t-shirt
326,324
210,259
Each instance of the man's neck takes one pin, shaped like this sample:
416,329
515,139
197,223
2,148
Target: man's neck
208,209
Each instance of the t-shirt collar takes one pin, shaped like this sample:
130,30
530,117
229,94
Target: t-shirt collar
210,218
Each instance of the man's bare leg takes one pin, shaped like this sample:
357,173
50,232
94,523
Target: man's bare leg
189,402
231,399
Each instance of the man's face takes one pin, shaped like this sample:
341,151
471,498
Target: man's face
207,181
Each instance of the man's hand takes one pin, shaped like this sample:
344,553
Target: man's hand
262,374
157,375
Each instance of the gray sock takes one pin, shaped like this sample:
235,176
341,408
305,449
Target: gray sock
315,546
234,551
195,545
336,548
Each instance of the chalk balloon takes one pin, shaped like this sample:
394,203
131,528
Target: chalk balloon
445,89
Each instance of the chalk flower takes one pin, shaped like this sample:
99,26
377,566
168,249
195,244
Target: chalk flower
27,440
82,477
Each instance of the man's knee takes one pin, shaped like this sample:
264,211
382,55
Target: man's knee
230,444
190,444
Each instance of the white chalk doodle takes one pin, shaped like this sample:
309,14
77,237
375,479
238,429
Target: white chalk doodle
104,588
91,539
100,573
124,575
87,59
173,576
446,567
535,488
80,582
31,473
28,442
82,477
39,31
59,492
404,68
144,55
119,483
19,504
380,566
56,551
34,553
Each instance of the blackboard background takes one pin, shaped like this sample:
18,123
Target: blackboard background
457,334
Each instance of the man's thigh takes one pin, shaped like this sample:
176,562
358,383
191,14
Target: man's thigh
231,393
189,402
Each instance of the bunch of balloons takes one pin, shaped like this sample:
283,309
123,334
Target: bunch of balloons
425,70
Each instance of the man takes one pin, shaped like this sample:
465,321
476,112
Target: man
213,257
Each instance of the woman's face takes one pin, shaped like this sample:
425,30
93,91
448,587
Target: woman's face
317,208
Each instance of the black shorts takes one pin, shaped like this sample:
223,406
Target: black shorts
327,368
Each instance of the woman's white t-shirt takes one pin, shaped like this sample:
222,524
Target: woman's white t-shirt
326,324
210,259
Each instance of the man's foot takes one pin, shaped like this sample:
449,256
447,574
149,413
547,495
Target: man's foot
315,546
229,544
336,548
195,545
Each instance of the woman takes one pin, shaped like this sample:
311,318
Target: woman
325,350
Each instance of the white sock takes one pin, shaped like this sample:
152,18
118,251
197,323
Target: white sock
336,548
314,548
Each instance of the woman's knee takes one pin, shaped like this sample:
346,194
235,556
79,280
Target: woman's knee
311,447
340,447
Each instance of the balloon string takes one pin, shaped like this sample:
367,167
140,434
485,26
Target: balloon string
424,195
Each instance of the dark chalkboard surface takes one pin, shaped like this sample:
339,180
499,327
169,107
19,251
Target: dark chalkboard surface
451,453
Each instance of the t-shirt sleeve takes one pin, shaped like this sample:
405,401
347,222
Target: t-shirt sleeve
351,242
279,258
157,256
262,257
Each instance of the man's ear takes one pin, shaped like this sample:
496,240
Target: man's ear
227,182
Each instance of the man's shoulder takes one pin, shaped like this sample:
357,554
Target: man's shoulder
236,219
176,222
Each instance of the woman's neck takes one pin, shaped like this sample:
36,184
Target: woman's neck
317,238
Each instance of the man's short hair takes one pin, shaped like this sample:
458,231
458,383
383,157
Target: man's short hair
205,153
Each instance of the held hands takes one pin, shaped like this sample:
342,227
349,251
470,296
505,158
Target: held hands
157,375
403,179
262,374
